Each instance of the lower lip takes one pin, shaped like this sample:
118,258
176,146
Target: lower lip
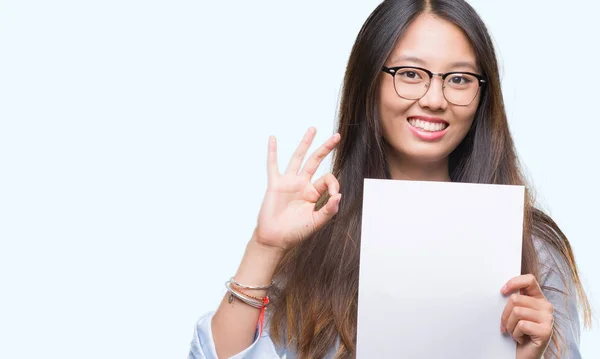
427,135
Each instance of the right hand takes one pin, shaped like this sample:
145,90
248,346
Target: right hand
287,215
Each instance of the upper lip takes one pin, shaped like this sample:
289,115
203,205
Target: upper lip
428,119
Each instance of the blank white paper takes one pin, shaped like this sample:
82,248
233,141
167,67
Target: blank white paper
433,258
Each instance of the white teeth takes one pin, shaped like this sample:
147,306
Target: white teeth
427,126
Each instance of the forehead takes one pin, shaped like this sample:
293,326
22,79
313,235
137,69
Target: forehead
438,43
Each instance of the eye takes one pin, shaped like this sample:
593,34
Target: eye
460,79
410,76
413,75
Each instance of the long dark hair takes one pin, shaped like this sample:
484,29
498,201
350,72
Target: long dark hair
315,303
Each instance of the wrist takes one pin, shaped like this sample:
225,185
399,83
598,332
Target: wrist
257,245
258,264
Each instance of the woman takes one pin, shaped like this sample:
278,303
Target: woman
421,101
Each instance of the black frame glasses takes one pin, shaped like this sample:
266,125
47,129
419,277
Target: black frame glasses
481,80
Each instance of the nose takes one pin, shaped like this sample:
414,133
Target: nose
434,98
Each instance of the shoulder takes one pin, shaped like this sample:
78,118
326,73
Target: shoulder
551,262
286,351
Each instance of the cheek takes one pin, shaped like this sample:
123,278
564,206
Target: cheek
391,106
465,115
465,118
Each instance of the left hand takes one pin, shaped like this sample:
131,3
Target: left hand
528,317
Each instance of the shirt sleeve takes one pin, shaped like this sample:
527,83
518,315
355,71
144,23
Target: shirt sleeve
559,289
203,345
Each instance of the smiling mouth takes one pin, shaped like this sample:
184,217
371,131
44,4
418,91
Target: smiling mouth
428,126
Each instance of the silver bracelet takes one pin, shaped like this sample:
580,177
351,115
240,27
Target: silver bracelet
244,298
232,281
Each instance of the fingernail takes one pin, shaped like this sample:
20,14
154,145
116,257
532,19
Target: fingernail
502,328
503,290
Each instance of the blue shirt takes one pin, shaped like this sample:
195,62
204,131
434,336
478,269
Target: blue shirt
566,318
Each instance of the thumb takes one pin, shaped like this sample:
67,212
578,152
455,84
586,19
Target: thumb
328,210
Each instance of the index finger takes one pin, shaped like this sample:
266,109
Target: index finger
317,157
272,168
298,156
527,282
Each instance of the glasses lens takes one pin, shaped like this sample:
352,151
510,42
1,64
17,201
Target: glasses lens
411,83
461,89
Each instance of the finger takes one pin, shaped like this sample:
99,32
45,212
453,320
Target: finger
298,156
526,282
518,334
539,333
327,182
519,300
272,168
327,211
317,157
528,314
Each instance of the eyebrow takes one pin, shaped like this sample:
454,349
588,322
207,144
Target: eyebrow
421,62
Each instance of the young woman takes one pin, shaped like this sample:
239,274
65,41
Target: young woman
421,101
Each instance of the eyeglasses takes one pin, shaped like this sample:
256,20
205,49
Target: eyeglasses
412,83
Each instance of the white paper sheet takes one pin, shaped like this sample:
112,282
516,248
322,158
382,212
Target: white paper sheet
433,259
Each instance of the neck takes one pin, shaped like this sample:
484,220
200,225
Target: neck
405,169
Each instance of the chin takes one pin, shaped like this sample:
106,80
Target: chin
426,157
426,153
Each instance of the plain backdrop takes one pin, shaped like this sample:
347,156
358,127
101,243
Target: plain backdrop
133,145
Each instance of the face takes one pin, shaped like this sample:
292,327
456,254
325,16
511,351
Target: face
428,129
